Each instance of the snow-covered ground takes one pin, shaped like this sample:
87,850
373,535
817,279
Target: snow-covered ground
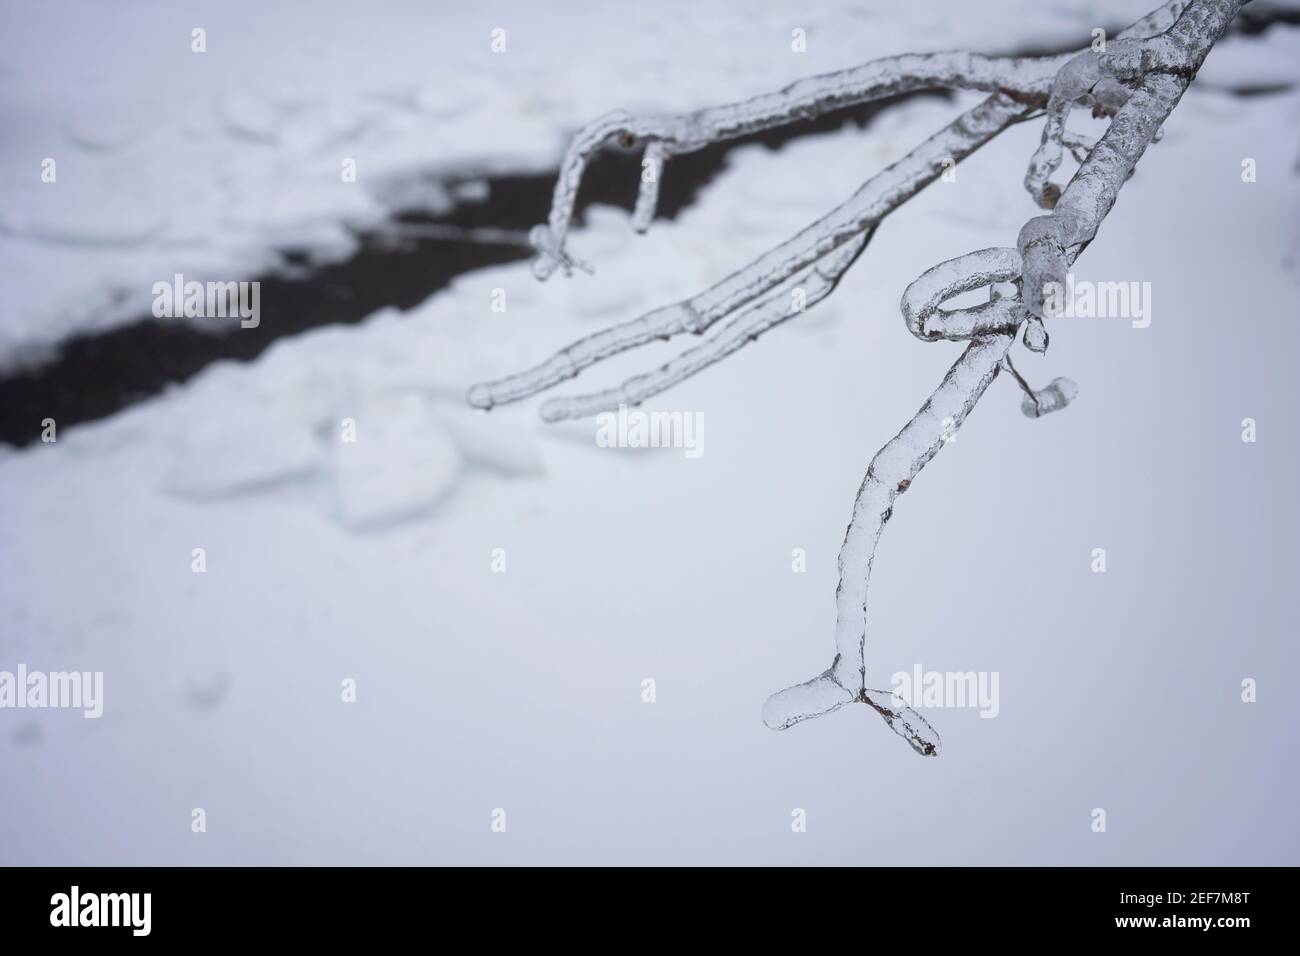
477,690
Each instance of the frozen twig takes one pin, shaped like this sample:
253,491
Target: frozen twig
816,282
1030,403
1057,394
875,199
1105,79
1137,81
1027,79
862,213
647,197
1048,246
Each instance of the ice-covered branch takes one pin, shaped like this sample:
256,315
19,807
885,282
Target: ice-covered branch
1028,80
890,474
875,199
1104,79
815,283
1092,192
1048,246
1137,82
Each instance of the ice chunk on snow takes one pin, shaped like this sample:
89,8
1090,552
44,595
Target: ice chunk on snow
400,464
241,447
249,116
83,214
494,443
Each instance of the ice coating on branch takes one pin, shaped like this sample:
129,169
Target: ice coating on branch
569,361
824,694
815,283
938,284
1102,79
647,197
904,721
1160,69
1028,79
875,199
1043,257
1138,82
813,698
1048,245
549,254
890,473
1059,393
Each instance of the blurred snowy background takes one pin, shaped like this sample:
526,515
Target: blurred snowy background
478,690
